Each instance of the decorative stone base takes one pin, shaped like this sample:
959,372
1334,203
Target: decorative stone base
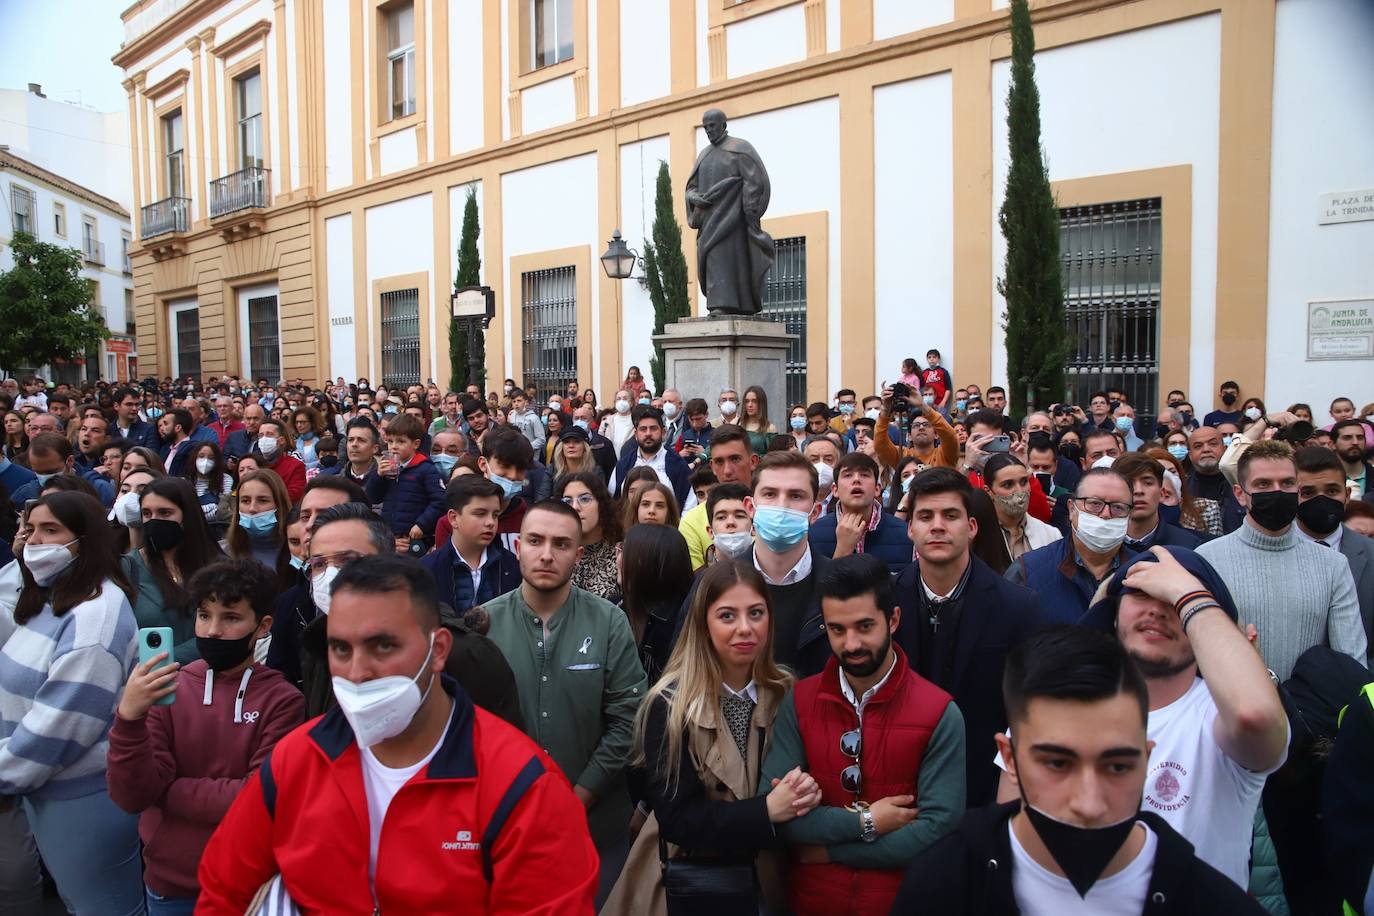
707,355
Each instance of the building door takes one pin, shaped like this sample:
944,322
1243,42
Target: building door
548,319
401,338
184,336
784,301
1110,254
260,332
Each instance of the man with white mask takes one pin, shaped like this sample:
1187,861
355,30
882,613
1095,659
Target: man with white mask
486,823
618,427
1066,573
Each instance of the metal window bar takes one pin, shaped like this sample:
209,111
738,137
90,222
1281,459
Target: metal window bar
784,301
171,214
22,209
401,338
264,338
188,343
548,316
1110,255
245,189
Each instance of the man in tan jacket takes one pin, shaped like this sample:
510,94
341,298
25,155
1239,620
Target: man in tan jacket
927,424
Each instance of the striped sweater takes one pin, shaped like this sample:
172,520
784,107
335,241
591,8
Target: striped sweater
1296,593
60,680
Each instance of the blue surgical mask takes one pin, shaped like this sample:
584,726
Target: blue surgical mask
508,487
154,413
929,399
797,423
1179,451
259,523
43,479
780,528
391,409
445,463
1125,423
582,424
1226,440
846,409
960,405
298,563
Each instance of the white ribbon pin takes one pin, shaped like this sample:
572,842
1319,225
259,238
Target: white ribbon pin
586,644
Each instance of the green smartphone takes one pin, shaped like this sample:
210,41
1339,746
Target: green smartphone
153,641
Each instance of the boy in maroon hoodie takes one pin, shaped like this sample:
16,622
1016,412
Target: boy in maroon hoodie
182,765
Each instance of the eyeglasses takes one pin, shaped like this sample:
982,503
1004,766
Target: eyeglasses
577,502
318,564
1094,506
851,745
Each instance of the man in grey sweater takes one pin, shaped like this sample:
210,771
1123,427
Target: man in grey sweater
527,421
1296,593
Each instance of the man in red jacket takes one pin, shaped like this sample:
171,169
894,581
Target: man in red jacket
885,745
271,445
406,798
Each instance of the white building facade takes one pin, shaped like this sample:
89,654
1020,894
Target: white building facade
301,169
64,181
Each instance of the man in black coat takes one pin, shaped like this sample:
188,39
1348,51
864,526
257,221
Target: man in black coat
960,618
1077,705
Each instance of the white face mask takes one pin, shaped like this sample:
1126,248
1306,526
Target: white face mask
127,510
733,544
873,413
1252,413
205,465
47,561
826,474
728,408
267,445
382,708
319,588
622,406
1101,535
669,409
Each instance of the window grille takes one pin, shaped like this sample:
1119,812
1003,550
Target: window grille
1110,254
784,301
188,343
548,314
264,338
22,206
401,338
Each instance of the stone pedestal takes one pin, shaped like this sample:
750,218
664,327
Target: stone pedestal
704,356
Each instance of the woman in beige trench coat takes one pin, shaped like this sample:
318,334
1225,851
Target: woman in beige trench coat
702,732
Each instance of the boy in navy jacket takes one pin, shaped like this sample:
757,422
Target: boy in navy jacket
408,485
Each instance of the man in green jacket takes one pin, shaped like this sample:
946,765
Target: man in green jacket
578,673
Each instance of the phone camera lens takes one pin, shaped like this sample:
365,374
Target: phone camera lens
154,640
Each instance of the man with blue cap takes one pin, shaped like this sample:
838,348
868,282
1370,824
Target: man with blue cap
1216,739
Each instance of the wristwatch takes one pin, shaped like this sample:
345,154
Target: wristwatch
870,827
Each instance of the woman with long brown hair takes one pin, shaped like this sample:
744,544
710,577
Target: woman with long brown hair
16,440
755,419
258,529
702,733
59,674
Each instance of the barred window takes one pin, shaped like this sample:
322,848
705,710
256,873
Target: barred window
401,338
548,314
22,207
264,338
1110,254
784,301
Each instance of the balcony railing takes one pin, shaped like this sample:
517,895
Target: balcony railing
93,252
246,189
171,214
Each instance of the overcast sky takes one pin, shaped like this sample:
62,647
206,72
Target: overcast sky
65,45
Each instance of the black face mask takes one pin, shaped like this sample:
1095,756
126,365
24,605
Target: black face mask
1321,515
1071,451
1274,509
1082,852
1228,399
224,654
328,461
162,534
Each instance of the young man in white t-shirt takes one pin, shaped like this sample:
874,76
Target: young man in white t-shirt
1075,841
1215,740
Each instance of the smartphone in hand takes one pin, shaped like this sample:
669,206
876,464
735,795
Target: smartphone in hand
153,641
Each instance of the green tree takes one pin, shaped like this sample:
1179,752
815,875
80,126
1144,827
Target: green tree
1037,344
46,306
469,274
665,267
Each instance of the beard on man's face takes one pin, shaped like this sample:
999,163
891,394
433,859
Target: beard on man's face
866,663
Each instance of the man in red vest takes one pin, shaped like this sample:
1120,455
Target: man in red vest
885,745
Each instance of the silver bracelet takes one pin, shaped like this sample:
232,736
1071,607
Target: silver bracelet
1192,611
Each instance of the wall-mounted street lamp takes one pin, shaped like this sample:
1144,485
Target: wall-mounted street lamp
619,259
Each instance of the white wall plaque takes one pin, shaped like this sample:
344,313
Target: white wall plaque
1346,206
1340,329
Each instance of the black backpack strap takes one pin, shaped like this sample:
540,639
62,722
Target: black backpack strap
269,786
516,791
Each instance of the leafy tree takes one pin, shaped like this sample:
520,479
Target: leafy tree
469,274
1037,344
666,269
46,306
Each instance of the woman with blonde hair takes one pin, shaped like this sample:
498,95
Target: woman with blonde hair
257,530
702,733
572,454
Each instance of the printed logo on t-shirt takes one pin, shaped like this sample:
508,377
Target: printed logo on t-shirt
1164,787
463,842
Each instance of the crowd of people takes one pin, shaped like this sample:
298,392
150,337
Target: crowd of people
286,647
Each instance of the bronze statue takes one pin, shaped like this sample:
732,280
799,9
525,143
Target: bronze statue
727,194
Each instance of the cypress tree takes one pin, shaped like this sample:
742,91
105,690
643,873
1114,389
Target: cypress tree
469,274
665,267
1036,338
